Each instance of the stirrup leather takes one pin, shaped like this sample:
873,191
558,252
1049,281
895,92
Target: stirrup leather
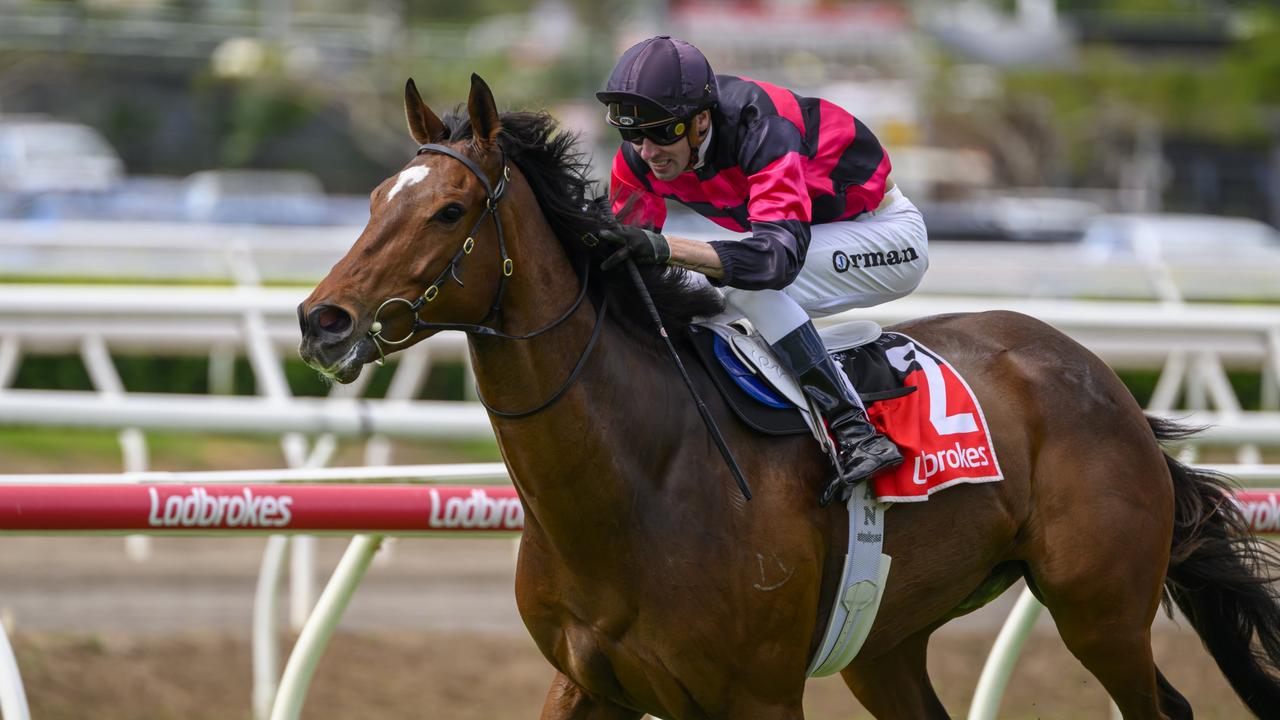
856,448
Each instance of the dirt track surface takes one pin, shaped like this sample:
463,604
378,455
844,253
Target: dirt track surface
431,633
479,676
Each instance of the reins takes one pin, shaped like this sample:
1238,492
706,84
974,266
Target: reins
493,194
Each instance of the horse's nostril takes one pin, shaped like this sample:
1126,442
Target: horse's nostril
334,320
330,320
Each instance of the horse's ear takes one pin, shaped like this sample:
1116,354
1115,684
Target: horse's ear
424,126
485,123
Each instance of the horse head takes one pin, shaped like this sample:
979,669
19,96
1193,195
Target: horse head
431,253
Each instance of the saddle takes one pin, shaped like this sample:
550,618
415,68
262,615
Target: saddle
766,397
911,393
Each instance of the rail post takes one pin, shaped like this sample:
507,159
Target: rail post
13,699
1003,657
266,625
320,626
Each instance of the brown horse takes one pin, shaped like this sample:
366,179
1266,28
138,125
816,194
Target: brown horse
647,580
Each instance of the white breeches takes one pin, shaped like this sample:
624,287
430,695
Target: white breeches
880,256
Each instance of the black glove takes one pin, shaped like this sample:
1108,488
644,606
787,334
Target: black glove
643,246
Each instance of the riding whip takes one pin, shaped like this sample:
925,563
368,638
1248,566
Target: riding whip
697,399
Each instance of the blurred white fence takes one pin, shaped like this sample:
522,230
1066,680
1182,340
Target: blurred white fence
1191,345
181,320
170,251
202,252
1069,270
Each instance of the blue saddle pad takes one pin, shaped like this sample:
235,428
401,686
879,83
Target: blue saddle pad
758,389
764,409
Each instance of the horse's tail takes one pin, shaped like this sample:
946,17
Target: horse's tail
1221,577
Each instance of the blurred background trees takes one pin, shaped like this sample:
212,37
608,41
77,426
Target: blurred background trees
1170,104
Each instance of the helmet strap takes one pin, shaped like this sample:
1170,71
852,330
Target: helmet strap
695,139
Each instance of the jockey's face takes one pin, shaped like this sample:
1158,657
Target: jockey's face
668,161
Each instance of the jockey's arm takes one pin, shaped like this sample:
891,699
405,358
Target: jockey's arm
700,256
695,255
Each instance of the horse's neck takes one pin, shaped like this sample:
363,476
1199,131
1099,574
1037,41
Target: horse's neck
584,450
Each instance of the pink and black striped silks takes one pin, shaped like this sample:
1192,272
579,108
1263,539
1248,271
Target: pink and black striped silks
778,162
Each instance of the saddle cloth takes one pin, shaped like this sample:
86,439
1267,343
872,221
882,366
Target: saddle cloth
912,395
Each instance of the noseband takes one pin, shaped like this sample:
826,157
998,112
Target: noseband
493,194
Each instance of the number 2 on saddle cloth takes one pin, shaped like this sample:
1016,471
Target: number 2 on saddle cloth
913,395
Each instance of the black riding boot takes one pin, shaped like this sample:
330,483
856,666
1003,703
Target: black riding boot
861,449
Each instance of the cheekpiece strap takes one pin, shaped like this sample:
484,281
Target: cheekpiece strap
492,195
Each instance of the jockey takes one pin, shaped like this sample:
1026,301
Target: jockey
829,230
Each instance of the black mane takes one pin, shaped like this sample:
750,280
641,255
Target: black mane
558,173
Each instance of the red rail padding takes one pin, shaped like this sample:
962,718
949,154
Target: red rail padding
317,508
266,508
1262,509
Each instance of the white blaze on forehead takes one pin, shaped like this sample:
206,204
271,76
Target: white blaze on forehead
408,177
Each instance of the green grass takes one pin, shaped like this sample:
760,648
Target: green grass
29,449
1246,384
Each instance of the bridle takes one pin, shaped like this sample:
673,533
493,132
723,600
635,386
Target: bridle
493,194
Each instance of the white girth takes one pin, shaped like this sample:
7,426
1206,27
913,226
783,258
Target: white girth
866,569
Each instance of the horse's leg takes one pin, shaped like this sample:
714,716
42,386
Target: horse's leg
567,701
896,684
1103,606
1097,553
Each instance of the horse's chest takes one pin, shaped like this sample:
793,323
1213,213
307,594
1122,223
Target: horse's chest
600,642
616,668
591,658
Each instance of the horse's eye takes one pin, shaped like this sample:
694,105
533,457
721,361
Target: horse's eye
451,213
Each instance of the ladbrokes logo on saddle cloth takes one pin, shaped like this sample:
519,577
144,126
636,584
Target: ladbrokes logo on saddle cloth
912,395
939,427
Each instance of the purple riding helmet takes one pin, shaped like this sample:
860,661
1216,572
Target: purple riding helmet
657,86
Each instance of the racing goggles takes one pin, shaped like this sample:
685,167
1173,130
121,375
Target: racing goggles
634,129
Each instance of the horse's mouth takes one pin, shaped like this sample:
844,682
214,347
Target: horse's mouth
347,367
